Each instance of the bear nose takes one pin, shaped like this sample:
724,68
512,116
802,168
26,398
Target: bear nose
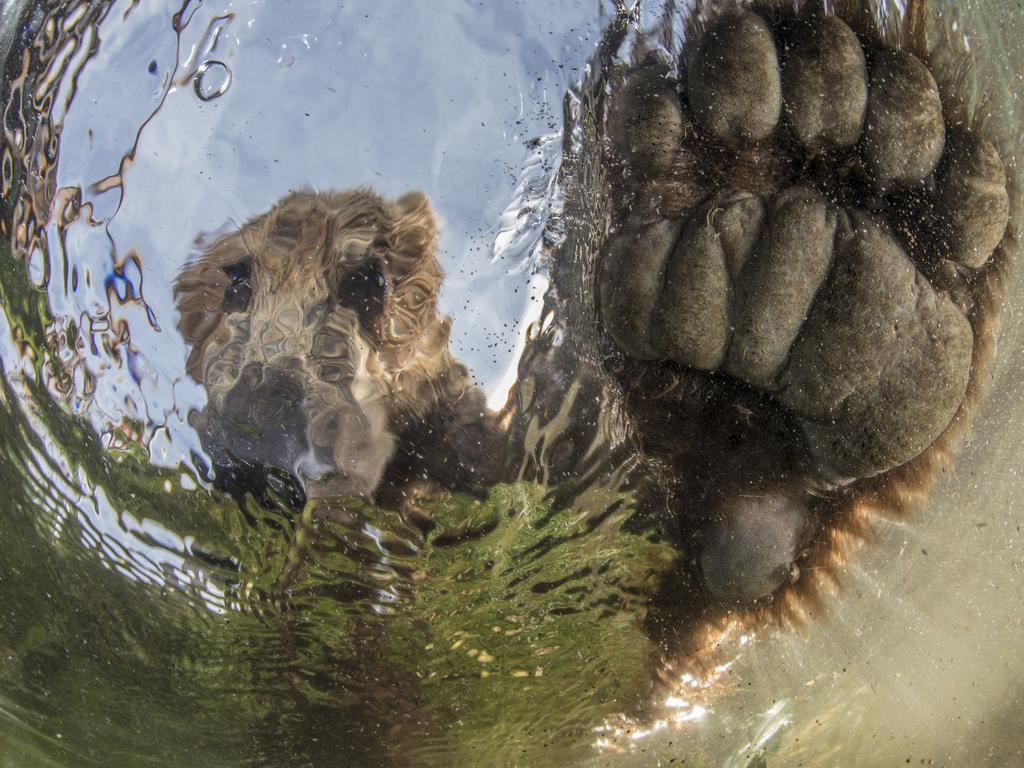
266,397
275,399
263,422
236,401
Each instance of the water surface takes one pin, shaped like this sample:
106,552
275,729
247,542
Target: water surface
142,619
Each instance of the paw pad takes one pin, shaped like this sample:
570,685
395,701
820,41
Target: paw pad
733,80
903,133
781,207
825,85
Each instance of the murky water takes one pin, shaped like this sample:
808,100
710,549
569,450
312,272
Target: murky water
148,618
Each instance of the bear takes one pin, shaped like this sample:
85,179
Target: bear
790,292
315,331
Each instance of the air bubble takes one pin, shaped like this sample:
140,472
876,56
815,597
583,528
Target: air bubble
212,79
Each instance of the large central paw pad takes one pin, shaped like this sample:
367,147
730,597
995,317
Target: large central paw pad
796,210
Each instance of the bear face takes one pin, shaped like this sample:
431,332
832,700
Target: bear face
315,331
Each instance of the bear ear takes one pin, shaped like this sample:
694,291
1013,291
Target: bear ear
415,230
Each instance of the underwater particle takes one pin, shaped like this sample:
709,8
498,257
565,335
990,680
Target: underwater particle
213,78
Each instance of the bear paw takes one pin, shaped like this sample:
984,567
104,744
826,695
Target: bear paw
793,215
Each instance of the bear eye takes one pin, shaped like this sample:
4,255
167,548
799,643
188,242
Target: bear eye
238,294
365,290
